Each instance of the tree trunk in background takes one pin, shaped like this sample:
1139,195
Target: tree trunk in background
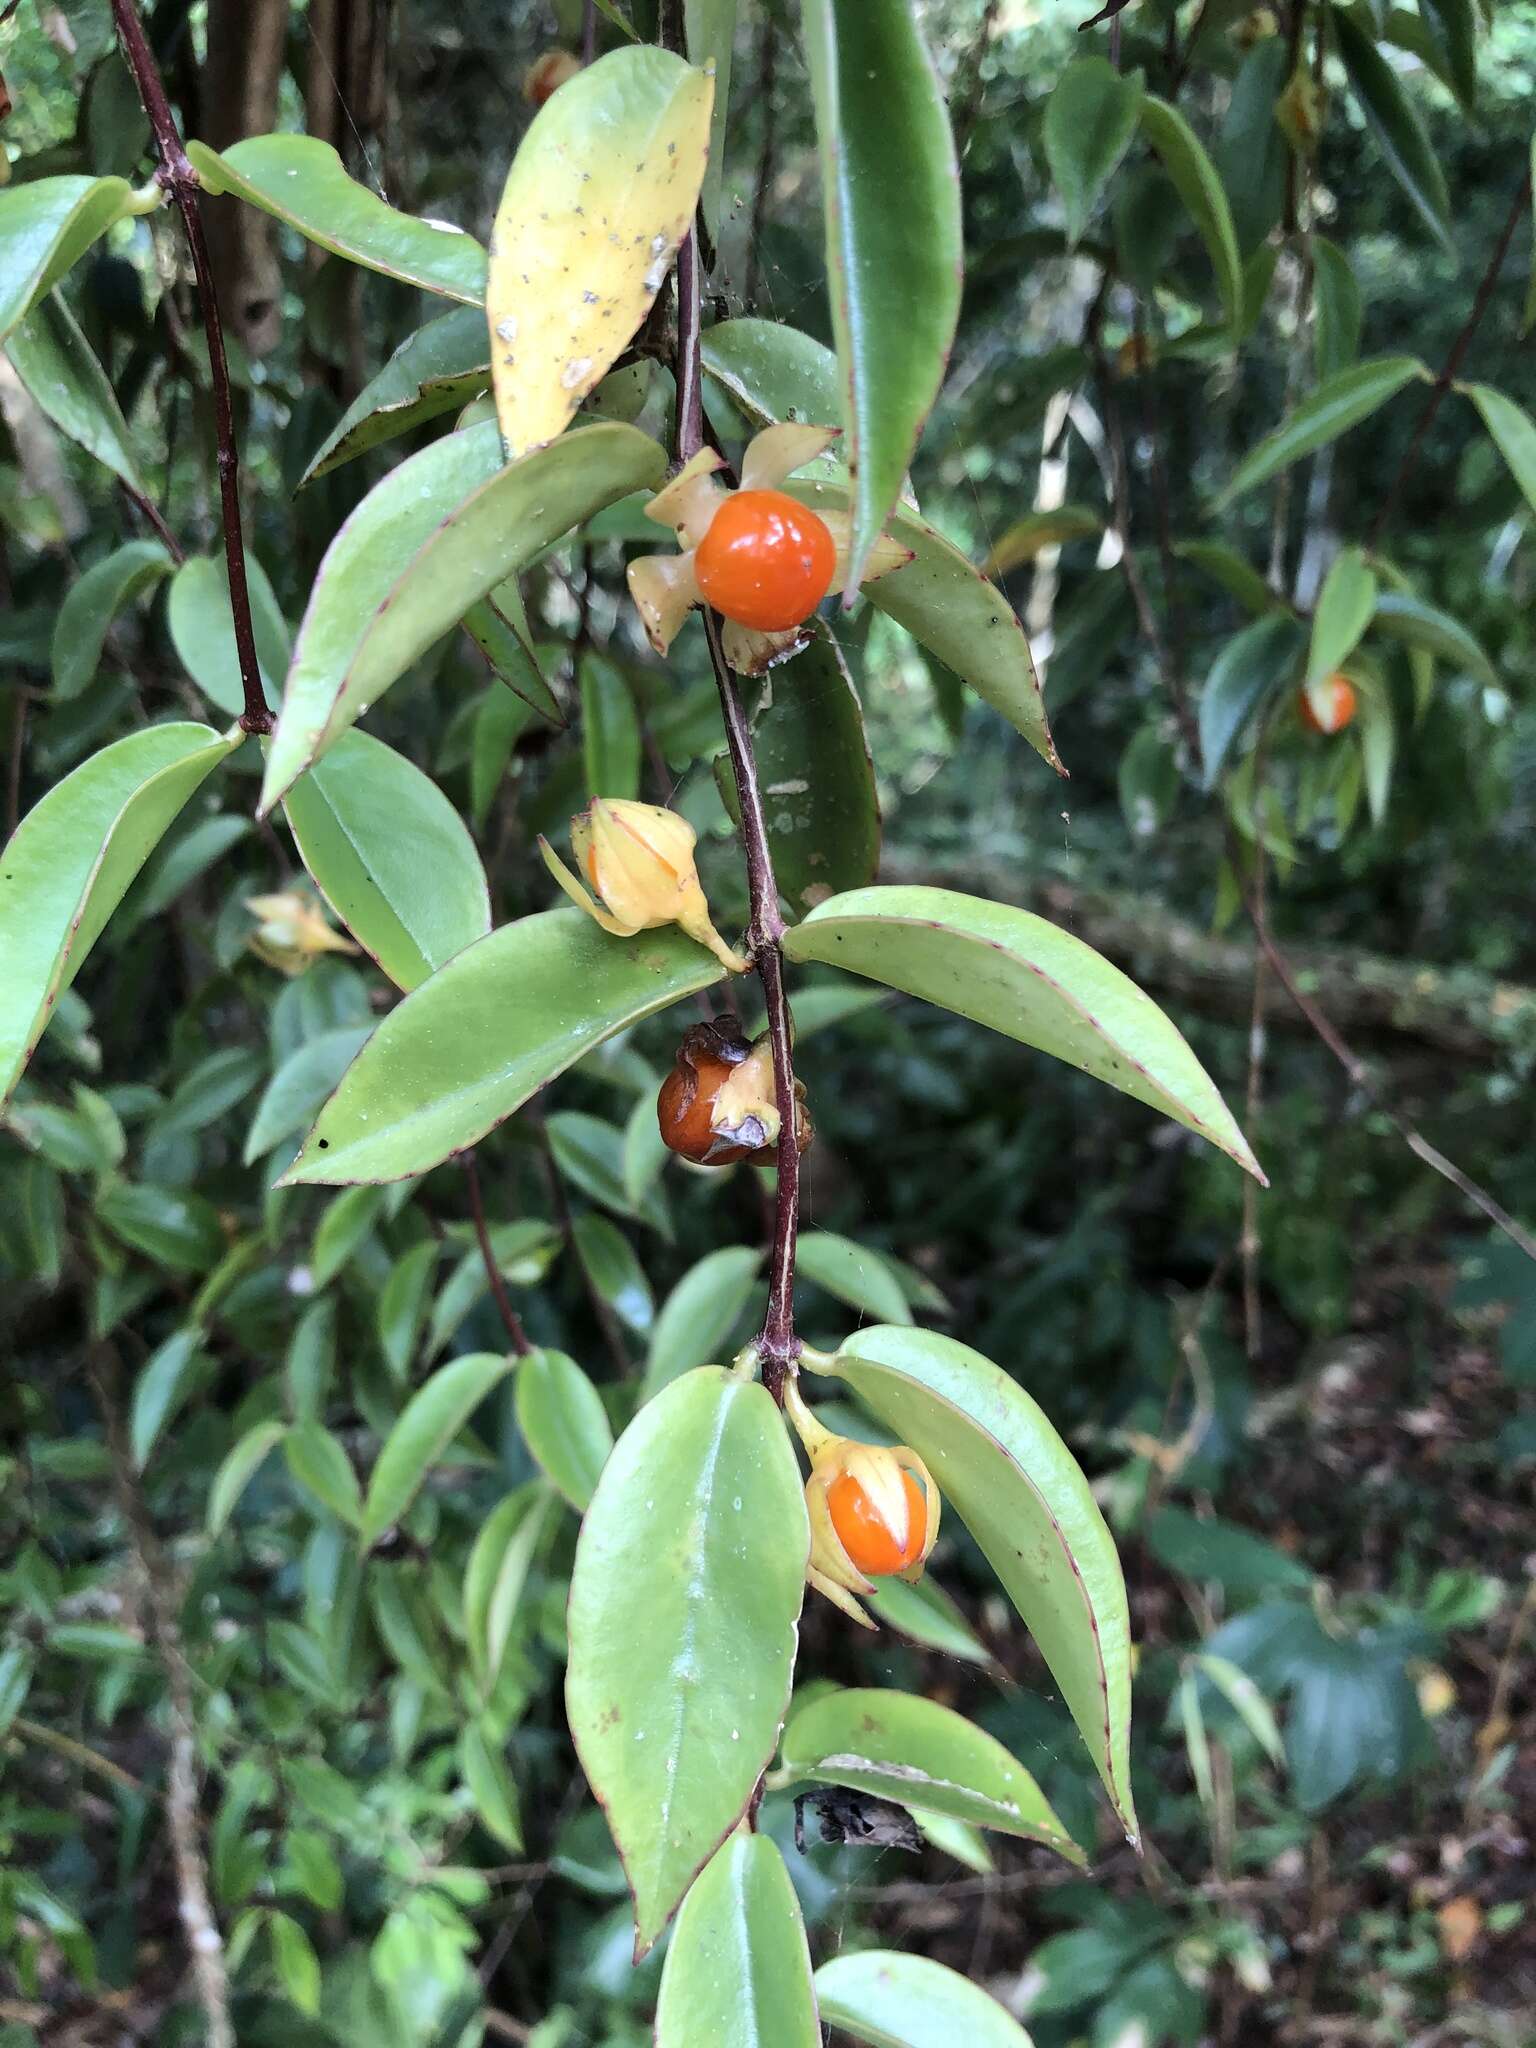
238,97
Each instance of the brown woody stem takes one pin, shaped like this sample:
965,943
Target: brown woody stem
180,181
517,1336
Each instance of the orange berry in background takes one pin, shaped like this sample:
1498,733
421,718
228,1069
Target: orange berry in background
1339,693
766,561
546,75
873,1546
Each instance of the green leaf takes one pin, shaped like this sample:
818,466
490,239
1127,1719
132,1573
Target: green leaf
952,610
889,2000
496,1575
469,1047
998,1462
498,625
56,363
91,604
564,1423
774,373
601,191
1401,616
817,776
490,1785
403,1306
1454,24
925,1614
239,1468
320,1465
179,861
300,180
1208,1548
590,1153
346,1222
298,1967
16,1666
700,1313
887,161
896,1746
644,1156
709,33
738,1970
391,856
210,1090
202,629
1396,124
1195,180
313,1868
1338,311
46,226
177,1230
427,1425
300,1085
71,859
162,1388
435,370
440,531
1331,410
1245,1699
1028,537
611,1266
1513,432
610,731
1090,119
682,1643
1263,659
1238,578
1344,608
852,1274
1020,975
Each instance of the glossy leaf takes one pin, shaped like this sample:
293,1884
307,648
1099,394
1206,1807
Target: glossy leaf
427,1425
894,1745
1326,413
71,859
1338,311
1263,659
601,192
391,856
56,363
300,1085
682,1644
698,1316
435,370
609,1262
1090,119
774,373
925,1614
1397,126
320,1465
1020,975
301,180
497,1573
1513,432
202,628
1030,536
46,226
470,1046
738,1970
498,625
162,1388
1402,616
888,2000
1343,611
887,161
817,777
589,1151
852,1274
564,1423
239,1468
1000,1465
610,730
1197,183
90,605
440,531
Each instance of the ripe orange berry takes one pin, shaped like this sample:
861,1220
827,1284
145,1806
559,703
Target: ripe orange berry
1341,701
685,1108
547,74
765,562
873,1546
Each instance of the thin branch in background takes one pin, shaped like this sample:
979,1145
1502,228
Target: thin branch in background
516,1334
588,30
1250,1243
151,511
1447,377
182,1811
179,179
602,1307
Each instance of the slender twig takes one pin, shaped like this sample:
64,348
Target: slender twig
179,179
517,1336
77,1753
565,1223
1453,362
588,30
151,511
182,1813
778,1345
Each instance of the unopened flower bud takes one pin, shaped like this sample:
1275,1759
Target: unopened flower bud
639,859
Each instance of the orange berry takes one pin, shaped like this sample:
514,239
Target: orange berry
1340,706
873,1546
547,74
685,1109
765,562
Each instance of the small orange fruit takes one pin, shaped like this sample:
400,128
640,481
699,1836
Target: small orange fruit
1340,702
873,1544
766,561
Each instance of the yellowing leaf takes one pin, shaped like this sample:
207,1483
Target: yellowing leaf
598,198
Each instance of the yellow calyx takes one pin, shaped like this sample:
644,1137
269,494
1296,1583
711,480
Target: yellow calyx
879,1481
639,858
292,931
665,588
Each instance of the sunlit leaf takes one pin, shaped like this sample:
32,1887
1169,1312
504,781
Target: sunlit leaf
1345,400
889,2000
46,225
203,631
56,363
564,1423
90,606
700,1313
738,1971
